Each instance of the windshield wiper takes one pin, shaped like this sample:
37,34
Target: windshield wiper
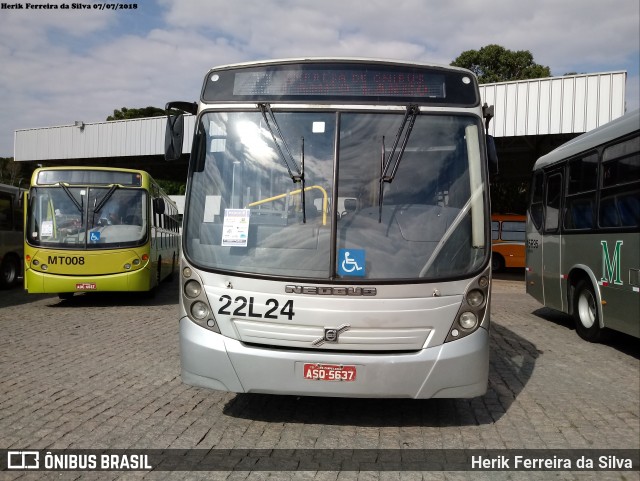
104,200
70,195
266,109
386,177
279,139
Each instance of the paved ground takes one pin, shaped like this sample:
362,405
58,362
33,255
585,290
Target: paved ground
102,371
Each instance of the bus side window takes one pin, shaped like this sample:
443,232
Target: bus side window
581,193
552,202
536,209
620,196
495,230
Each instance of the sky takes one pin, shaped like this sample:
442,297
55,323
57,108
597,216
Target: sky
59,65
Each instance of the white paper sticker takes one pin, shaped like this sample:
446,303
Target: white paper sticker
235,230
46,228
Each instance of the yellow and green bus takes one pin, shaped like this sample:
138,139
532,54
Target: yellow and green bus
97,229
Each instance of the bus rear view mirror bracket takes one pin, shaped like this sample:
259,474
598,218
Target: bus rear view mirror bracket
488,112
174,134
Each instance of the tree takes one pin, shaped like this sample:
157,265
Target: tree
494,63
11,172
124,113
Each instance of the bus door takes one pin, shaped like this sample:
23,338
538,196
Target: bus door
535,220
551,242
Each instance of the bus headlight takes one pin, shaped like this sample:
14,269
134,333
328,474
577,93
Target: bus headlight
468,320
475,298
473,312
199,310
192,289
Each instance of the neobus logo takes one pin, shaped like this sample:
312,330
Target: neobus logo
331,291
611,267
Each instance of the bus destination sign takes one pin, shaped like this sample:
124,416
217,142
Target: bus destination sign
344,82
341,82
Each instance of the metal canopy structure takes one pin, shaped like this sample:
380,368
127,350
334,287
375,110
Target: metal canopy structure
532,117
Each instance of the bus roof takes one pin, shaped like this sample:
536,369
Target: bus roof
294,60
619,127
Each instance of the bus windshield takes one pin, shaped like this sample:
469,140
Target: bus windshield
86,217
245,210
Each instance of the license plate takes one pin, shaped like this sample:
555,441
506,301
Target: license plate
86,286
329,372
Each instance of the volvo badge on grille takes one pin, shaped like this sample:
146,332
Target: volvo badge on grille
331,335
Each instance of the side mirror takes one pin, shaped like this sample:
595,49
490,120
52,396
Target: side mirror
492,155
174,134
158,205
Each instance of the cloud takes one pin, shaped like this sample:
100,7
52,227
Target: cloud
60,66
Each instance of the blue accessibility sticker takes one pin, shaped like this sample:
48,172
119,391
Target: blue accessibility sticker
94,236
351,262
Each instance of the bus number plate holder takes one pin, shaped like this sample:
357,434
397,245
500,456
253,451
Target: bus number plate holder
329,372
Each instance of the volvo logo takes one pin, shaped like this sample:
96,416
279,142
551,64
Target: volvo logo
331,291
331,335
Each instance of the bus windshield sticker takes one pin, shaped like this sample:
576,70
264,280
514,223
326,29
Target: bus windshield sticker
235,230
46,228
94,236
351,262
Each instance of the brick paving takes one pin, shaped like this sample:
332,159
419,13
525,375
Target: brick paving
102,371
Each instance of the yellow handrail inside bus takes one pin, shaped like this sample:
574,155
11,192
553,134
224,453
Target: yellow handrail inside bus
325,199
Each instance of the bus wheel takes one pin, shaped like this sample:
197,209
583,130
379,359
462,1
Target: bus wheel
497,262
585,312
9,272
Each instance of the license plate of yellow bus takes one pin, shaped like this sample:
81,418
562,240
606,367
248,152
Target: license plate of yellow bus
329,372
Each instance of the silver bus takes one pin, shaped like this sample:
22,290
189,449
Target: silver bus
583,229
336,232
11,238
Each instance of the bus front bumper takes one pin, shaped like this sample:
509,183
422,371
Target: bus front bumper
458,369
41,283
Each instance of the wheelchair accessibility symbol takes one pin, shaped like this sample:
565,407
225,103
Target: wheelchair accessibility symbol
351,262
94,236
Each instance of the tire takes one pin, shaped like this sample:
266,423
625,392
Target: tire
497,262
9,271
585,312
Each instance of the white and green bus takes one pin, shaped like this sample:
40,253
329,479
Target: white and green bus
583,229
336,236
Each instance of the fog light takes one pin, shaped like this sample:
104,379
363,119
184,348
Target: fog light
186,272
468,320
127,266
211,323
475,298
136,262
45,267
36,262
199,310
483,282
192,289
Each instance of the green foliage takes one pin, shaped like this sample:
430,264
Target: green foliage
125,113
171,187
494,63
14,173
